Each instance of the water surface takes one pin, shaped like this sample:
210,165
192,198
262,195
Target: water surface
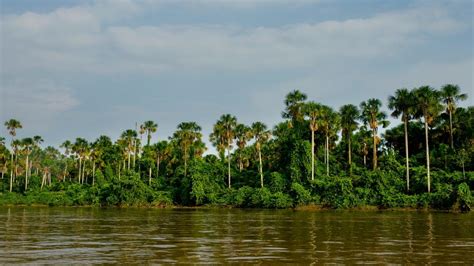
92,235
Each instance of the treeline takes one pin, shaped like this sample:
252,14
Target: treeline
316,155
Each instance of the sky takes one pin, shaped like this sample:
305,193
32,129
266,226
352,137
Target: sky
86,68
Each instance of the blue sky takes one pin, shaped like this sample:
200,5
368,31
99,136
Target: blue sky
86,68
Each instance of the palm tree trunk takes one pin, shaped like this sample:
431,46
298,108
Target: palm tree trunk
185,161
149,176
312,155
128,164
374,160
327,154
350,155
451,129
228,165
80,169
84,170
93,172
11,174
65,172
427,155
148,139
134,153
16,167
260,168
240,161
26,172
406,154
30,166
43,180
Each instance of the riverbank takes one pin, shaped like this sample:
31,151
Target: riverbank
59,199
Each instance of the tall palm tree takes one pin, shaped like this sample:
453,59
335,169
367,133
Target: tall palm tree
330,125
67,146
451,94
150,128
312,110
37,140
80,149
349,116
372,116
161,151
242,135
428,106
261,135
3,156
294,102
402,104
223,136
187,134
129,137
27,145
12,125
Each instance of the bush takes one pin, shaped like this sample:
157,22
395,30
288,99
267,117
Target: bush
277,182
300,194
464,197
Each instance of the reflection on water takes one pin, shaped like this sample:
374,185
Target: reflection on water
89,235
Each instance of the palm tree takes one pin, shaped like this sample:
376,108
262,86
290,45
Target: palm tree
312,110
27,144
349,115
161,151
37,140
294,102
12,125
16,144
372,116
96,153
67,146
187,134
261,135
330,125
3,156
150,127
129,137
80,148
223,136
402,105
451,94
242,134
428,106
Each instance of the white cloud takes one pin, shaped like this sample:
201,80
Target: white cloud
36,102
83,39
323,59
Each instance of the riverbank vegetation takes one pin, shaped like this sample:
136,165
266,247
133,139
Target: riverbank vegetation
318,155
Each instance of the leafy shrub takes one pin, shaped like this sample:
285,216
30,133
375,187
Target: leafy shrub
277,182
464,197
300,194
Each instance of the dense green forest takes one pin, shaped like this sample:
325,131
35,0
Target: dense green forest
315,156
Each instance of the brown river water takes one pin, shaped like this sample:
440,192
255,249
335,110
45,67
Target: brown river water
55,235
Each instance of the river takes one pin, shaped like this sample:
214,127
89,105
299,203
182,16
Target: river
53,235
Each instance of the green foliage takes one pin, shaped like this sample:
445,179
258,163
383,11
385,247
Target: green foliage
302,196
464,197
278,182
206,185
129,173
